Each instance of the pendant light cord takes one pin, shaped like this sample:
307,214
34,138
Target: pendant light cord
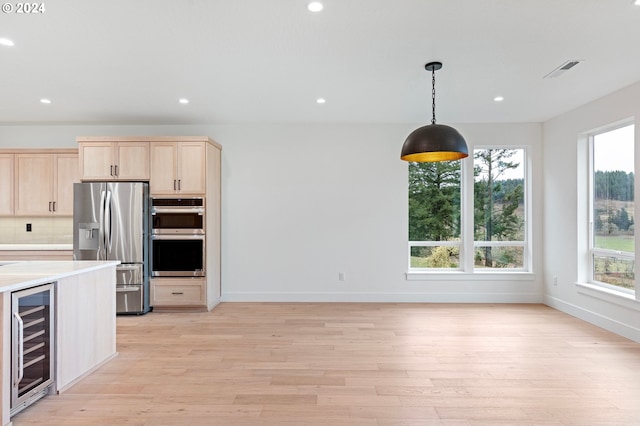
433,95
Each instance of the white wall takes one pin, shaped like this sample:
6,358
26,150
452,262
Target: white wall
565,202
302,203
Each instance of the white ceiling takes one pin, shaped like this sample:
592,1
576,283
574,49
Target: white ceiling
260,61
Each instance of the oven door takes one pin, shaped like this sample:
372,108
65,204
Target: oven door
177,220
177,255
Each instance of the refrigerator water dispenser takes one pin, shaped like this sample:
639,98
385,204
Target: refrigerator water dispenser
88,236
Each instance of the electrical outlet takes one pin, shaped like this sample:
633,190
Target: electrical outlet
28,227
341,276
555,280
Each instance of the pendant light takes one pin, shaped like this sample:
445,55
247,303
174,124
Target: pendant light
434,142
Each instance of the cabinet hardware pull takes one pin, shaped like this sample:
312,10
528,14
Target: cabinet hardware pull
116,167
111,170
50,206
177,292
179,185
54,206
174,184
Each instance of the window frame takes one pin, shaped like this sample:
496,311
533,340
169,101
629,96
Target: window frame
467,243
593,251
525,243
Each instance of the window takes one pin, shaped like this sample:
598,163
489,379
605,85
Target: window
434,215
611,201
494,202
499,208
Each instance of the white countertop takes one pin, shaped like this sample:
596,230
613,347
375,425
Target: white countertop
27,247
23,274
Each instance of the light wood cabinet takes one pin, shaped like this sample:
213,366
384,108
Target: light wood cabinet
106,160
173,293
66,173
177,168
43,183
6,184
9,255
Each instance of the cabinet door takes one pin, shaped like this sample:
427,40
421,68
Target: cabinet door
34,184
96,160
132,161
163,168
6,184
66,174
191,168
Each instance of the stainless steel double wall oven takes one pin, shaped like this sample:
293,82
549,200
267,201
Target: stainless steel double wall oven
177,237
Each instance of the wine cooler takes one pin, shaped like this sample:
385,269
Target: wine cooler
32,363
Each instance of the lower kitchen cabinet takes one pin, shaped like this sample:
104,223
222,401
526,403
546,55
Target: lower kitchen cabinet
26,254
178,294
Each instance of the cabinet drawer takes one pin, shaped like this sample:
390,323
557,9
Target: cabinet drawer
177,292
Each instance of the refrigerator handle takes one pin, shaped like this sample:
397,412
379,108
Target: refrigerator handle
101,229
107,223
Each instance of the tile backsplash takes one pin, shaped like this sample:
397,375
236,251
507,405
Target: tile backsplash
44,230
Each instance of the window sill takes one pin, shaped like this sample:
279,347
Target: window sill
609,295
466,276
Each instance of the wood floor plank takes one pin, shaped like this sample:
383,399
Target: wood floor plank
382,364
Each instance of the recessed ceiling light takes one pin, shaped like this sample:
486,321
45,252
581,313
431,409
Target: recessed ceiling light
637,2
315,6
45,101
184,101
321,100
6,42
498,99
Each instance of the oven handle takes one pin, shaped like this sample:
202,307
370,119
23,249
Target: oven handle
198,210
177,237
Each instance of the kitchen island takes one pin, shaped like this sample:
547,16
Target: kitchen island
85,321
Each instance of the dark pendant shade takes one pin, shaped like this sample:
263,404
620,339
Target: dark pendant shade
434,142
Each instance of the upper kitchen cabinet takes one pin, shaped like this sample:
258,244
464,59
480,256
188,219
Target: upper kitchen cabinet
6,184
43,182
66,172
105,160
178,168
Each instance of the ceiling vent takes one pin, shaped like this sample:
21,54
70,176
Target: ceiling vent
566,66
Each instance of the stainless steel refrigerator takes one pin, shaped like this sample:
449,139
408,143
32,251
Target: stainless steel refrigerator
110,222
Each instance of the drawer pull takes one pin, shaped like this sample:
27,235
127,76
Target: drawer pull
177,292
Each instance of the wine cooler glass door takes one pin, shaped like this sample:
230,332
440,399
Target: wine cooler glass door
32,367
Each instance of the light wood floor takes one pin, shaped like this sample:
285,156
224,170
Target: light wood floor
357,364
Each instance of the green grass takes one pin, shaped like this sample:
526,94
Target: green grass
418,262
423,262
618,242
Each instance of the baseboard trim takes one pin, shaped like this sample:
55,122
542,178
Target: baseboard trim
597,319
239,296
